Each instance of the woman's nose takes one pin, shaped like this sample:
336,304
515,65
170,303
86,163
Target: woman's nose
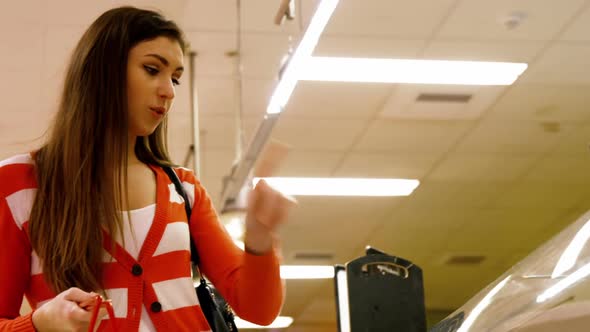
166,90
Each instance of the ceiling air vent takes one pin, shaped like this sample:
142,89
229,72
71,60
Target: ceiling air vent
323,256
444,98
464,260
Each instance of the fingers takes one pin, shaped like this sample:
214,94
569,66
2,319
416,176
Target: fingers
79,304
269,206
77,295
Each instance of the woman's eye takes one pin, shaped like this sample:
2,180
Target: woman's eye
152,71
175,81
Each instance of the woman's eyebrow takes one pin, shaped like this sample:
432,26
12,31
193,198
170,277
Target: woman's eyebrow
164,61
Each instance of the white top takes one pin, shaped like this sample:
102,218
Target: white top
134,233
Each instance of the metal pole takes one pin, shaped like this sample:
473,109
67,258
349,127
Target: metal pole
194,105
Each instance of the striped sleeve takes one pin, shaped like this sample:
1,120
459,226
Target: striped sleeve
251,284
15,251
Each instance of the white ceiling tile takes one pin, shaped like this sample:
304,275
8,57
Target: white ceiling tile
438,219
256,95
434,194
319,311
408,19
302,163
339,211
511,137
500,231
210,16
482,19
562,63
450,287
29,12
399,238
578,29
543,103
213,186
22,126
482,167
72,12
217,96
317,134
305,239
527,194
576,144
301,293
404,102
426,136
60,42
259,16
561,169
339,100
262,54
430,194
19,89
171,9
217,132
386,165
23,51
482,51
211,49
368,47
217,163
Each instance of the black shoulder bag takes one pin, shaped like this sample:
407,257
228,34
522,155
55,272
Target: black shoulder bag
218,313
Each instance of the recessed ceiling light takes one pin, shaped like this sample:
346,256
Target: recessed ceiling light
341,186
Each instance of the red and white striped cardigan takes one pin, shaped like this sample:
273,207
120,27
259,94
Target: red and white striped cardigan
159,280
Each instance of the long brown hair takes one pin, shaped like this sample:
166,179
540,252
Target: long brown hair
82,167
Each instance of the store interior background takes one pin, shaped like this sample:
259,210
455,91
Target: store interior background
500,174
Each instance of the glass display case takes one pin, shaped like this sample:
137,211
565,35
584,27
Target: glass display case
549,290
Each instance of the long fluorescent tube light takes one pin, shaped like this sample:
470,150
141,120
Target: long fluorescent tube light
300,271
560,286
307,272
570,255
289,78
484,303
410,71
343,305
280,322
341,186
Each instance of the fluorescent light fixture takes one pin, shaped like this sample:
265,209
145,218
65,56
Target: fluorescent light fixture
341,186
235,227
410,71
343,305
289,78
484,303
280,322
570,255
560,286
307,272
240,244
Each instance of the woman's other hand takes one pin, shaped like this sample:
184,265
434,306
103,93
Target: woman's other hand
64,313
267,209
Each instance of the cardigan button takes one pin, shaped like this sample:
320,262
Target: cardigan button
156,307
136,270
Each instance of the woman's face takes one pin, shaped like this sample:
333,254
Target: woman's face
153,71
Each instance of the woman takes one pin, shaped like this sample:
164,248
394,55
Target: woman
65,238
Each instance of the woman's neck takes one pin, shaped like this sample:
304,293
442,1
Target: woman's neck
131,156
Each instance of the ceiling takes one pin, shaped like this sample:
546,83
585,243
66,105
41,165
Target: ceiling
497,179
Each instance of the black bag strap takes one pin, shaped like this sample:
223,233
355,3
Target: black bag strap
187,207
219,319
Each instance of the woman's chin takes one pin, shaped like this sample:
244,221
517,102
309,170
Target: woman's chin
140,132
